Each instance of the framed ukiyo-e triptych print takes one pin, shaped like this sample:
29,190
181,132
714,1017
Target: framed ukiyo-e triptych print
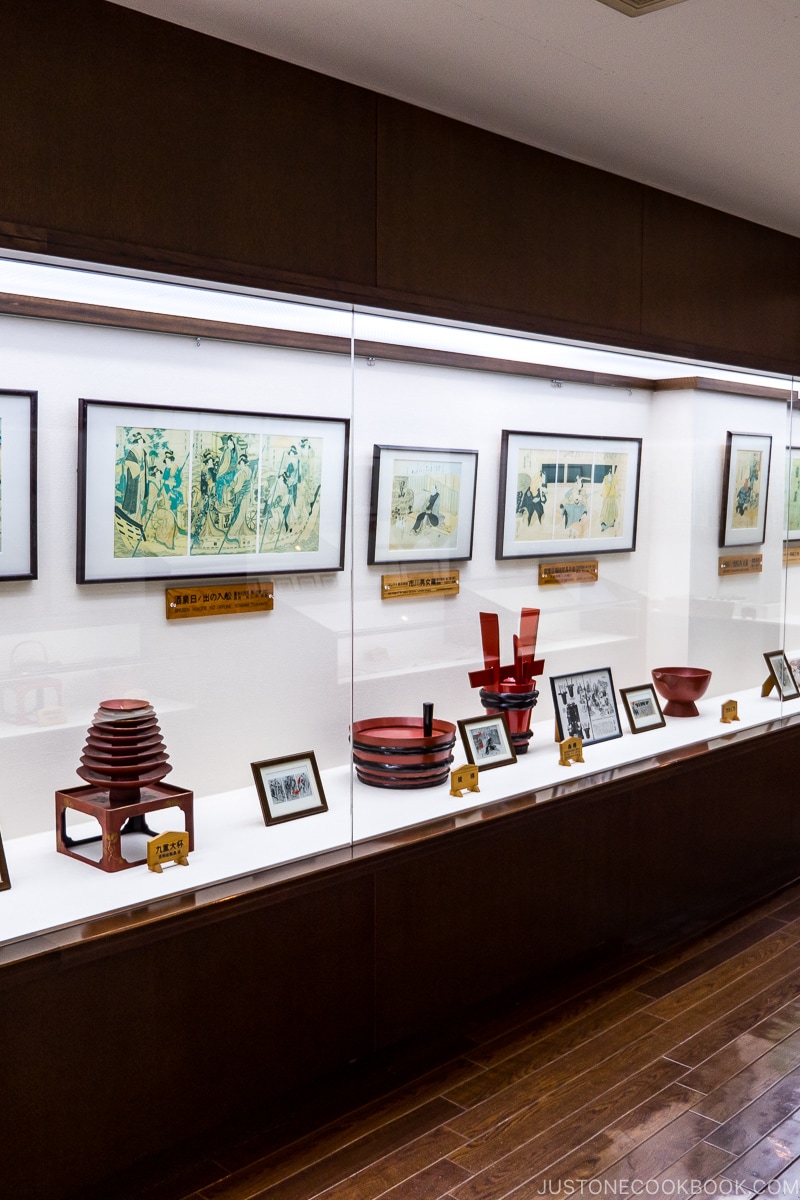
562,495
179,492
18,542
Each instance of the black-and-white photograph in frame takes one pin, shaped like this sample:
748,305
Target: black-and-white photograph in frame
642,708
167,493
289,787
782,675
487,741
422,505
18,436
586,706
564,495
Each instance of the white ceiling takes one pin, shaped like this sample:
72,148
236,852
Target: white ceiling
700,98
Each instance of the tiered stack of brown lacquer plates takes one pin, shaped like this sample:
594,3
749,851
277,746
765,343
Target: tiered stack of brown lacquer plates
393,752
124,750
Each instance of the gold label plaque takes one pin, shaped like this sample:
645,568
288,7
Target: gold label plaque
568,572
730,712
464,779
740,564
571,751
424,583
791,554
222,599
168,847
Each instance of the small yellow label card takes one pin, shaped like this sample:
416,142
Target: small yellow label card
220,600
422,583
571,751
791,554
568,572
168,847
464,779
730,712
740,564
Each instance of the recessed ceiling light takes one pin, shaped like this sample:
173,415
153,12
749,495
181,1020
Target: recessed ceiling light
637,8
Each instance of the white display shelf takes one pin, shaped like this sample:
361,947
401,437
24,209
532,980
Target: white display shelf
51,891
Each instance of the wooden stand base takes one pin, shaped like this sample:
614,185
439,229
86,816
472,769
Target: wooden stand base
95,802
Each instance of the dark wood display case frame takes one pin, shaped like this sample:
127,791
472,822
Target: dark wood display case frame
359,949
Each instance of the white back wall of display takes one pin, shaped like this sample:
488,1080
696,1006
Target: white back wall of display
228,690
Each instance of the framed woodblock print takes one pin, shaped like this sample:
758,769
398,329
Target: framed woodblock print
487,741
177,492
792,531
18,429
586,706
745,482
781,673
423,504
562,495
642,707
289,787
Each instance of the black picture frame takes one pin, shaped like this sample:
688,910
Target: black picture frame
300,771
745,489
5,878
586,706
422,505
563,494
177,493
18,484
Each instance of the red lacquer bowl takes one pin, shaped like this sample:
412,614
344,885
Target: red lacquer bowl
680,687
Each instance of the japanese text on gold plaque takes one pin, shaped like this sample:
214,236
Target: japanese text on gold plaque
426,583
791,555
740,564
221,600
568,572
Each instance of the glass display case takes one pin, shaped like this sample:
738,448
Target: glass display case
408,489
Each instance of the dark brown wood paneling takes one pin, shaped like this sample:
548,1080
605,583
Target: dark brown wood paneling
488,223
717,286
121,127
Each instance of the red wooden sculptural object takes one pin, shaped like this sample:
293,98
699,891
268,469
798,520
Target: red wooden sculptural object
510,689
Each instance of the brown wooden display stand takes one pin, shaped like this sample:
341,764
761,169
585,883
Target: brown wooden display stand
113,817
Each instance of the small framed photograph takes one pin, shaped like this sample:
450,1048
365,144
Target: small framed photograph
487,741
18,427
289,787
642,707
781,673
182,492
423,504
745,482
586,706
564,495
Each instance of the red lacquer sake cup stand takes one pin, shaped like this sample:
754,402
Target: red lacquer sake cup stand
124,762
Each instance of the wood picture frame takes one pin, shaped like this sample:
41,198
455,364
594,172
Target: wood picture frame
422,505
176,493
5,878
781,674
18,484
745,487
487,741
585,706
562,495
289,787
642,708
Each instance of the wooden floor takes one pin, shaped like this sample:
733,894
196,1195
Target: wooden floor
683,1067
